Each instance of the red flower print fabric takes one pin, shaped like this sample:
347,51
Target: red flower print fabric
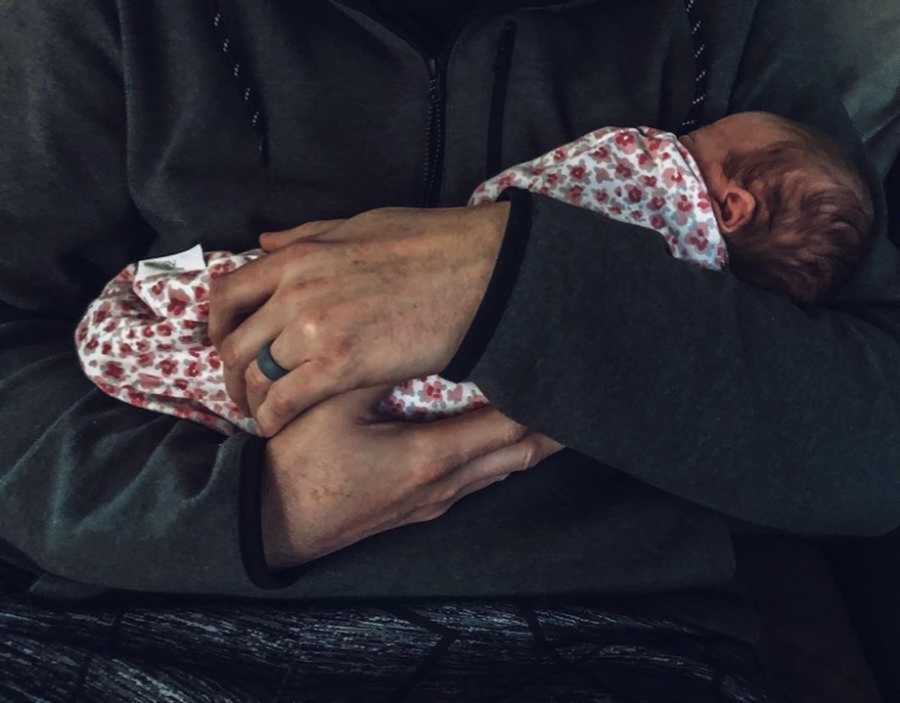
639,175
144,341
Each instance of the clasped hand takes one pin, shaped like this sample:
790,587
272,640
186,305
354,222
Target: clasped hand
376,299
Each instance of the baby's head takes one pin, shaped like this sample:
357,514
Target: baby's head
795,213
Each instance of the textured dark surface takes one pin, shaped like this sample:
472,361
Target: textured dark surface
143,648
867,570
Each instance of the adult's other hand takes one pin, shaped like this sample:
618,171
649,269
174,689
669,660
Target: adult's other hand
379,298
338,473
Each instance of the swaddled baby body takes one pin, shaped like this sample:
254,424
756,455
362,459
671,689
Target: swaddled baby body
144,340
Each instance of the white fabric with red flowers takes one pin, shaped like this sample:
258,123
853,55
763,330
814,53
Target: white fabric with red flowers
144,340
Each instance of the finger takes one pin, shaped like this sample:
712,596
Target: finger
548,445
443,445
432,512
257,385
234,295
311,382
270,241
255,388
518,456
478,485
239,349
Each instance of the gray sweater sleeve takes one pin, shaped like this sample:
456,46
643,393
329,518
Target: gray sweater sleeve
693,381
91,489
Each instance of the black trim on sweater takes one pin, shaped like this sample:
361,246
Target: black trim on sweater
253,553
509,259
490,310
502,64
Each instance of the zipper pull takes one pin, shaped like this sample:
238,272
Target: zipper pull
432,67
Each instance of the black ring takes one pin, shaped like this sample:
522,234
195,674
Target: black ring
269,367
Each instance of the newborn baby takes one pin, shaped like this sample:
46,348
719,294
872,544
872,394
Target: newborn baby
795,212
773,201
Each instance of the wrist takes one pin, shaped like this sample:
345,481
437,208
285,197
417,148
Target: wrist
278,548
503,229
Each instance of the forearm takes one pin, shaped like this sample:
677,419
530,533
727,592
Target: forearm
691,380
695,382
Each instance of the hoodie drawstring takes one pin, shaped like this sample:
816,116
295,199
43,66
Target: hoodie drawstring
700,67
237,70
501,67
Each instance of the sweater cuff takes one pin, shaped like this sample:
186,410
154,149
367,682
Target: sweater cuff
253,553
499,288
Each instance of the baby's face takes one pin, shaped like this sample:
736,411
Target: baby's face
710,145
741,132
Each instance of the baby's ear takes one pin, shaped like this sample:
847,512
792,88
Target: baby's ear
737,206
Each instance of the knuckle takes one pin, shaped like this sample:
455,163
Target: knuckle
438,512
288,268
279,403
228,353
215,288
544,447
309,323
516,432
268,427
425,464
430,513
306,227
445,494
218,291
424,471
370,214
264,427
254,379
431,468
416,518
529,457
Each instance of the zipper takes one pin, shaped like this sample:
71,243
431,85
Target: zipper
435,91
434,135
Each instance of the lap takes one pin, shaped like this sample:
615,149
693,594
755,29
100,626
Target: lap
174,648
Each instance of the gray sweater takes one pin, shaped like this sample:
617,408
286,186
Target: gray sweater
694,406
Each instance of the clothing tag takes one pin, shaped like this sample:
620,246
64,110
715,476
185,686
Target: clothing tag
188,260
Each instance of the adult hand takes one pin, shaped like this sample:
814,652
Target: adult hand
338,474
379,298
